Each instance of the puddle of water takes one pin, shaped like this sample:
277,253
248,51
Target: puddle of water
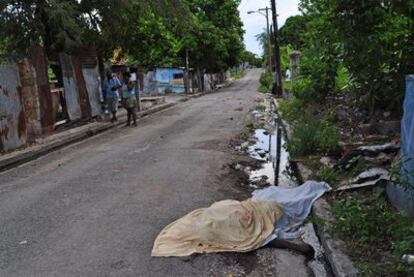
257,114
265,149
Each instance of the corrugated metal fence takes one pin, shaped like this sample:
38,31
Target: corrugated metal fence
29,108
26,100
12,117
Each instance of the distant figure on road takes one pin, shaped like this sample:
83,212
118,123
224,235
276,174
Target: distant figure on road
111,86
128,98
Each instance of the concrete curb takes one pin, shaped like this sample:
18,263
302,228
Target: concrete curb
73,136
335,249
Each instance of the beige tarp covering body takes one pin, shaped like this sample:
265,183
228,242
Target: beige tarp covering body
225,226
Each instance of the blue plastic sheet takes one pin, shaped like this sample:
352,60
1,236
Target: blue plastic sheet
407,132
402,197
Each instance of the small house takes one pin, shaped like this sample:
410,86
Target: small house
170,79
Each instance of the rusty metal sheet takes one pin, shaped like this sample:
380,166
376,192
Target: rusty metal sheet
92,82
71,90
80,83
12,117
207,83
39,61
140,80
30,99
150,83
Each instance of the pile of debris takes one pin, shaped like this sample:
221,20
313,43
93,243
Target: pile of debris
380,157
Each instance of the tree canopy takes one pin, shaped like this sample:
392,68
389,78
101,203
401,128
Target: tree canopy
292,32
158,32
367,46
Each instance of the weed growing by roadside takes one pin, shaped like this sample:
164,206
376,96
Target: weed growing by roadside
312,136
343,80
266,82
303,141
401,176
260,108
327,136
250,125
377,235
168,91
329,175
302,89
291,109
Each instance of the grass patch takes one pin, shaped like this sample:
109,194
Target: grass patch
376,234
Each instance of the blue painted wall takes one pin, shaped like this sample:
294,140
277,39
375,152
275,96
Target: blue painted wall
403,199
165,80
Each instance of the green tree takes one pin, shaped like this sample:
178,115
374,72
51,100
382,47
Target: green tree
293,32
216,39
158,32
55,24
379,52
370,40
252,59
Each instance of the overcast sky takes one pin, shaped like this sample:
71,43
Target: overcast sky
256,23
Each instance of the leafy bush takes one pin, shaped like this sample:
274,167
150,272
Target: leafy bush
266,82
303,141
302,88
311,136
291,108
373,228
327,136
51,74
343,80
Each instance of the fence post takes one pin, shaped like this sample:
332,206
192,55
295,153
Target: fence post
39,60
30,99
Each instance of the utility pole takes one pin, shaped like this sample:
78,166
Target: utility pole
269,36
278,89
187,73
269,39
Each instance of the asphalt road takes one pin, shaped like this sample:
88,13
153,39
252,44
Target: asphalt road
95,208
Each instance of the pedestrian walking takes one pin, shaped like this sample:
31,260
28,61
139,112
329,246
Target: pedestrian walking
111,86
129,99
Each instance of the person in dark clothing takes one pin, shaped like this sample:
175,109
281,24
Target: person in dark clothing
129,99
